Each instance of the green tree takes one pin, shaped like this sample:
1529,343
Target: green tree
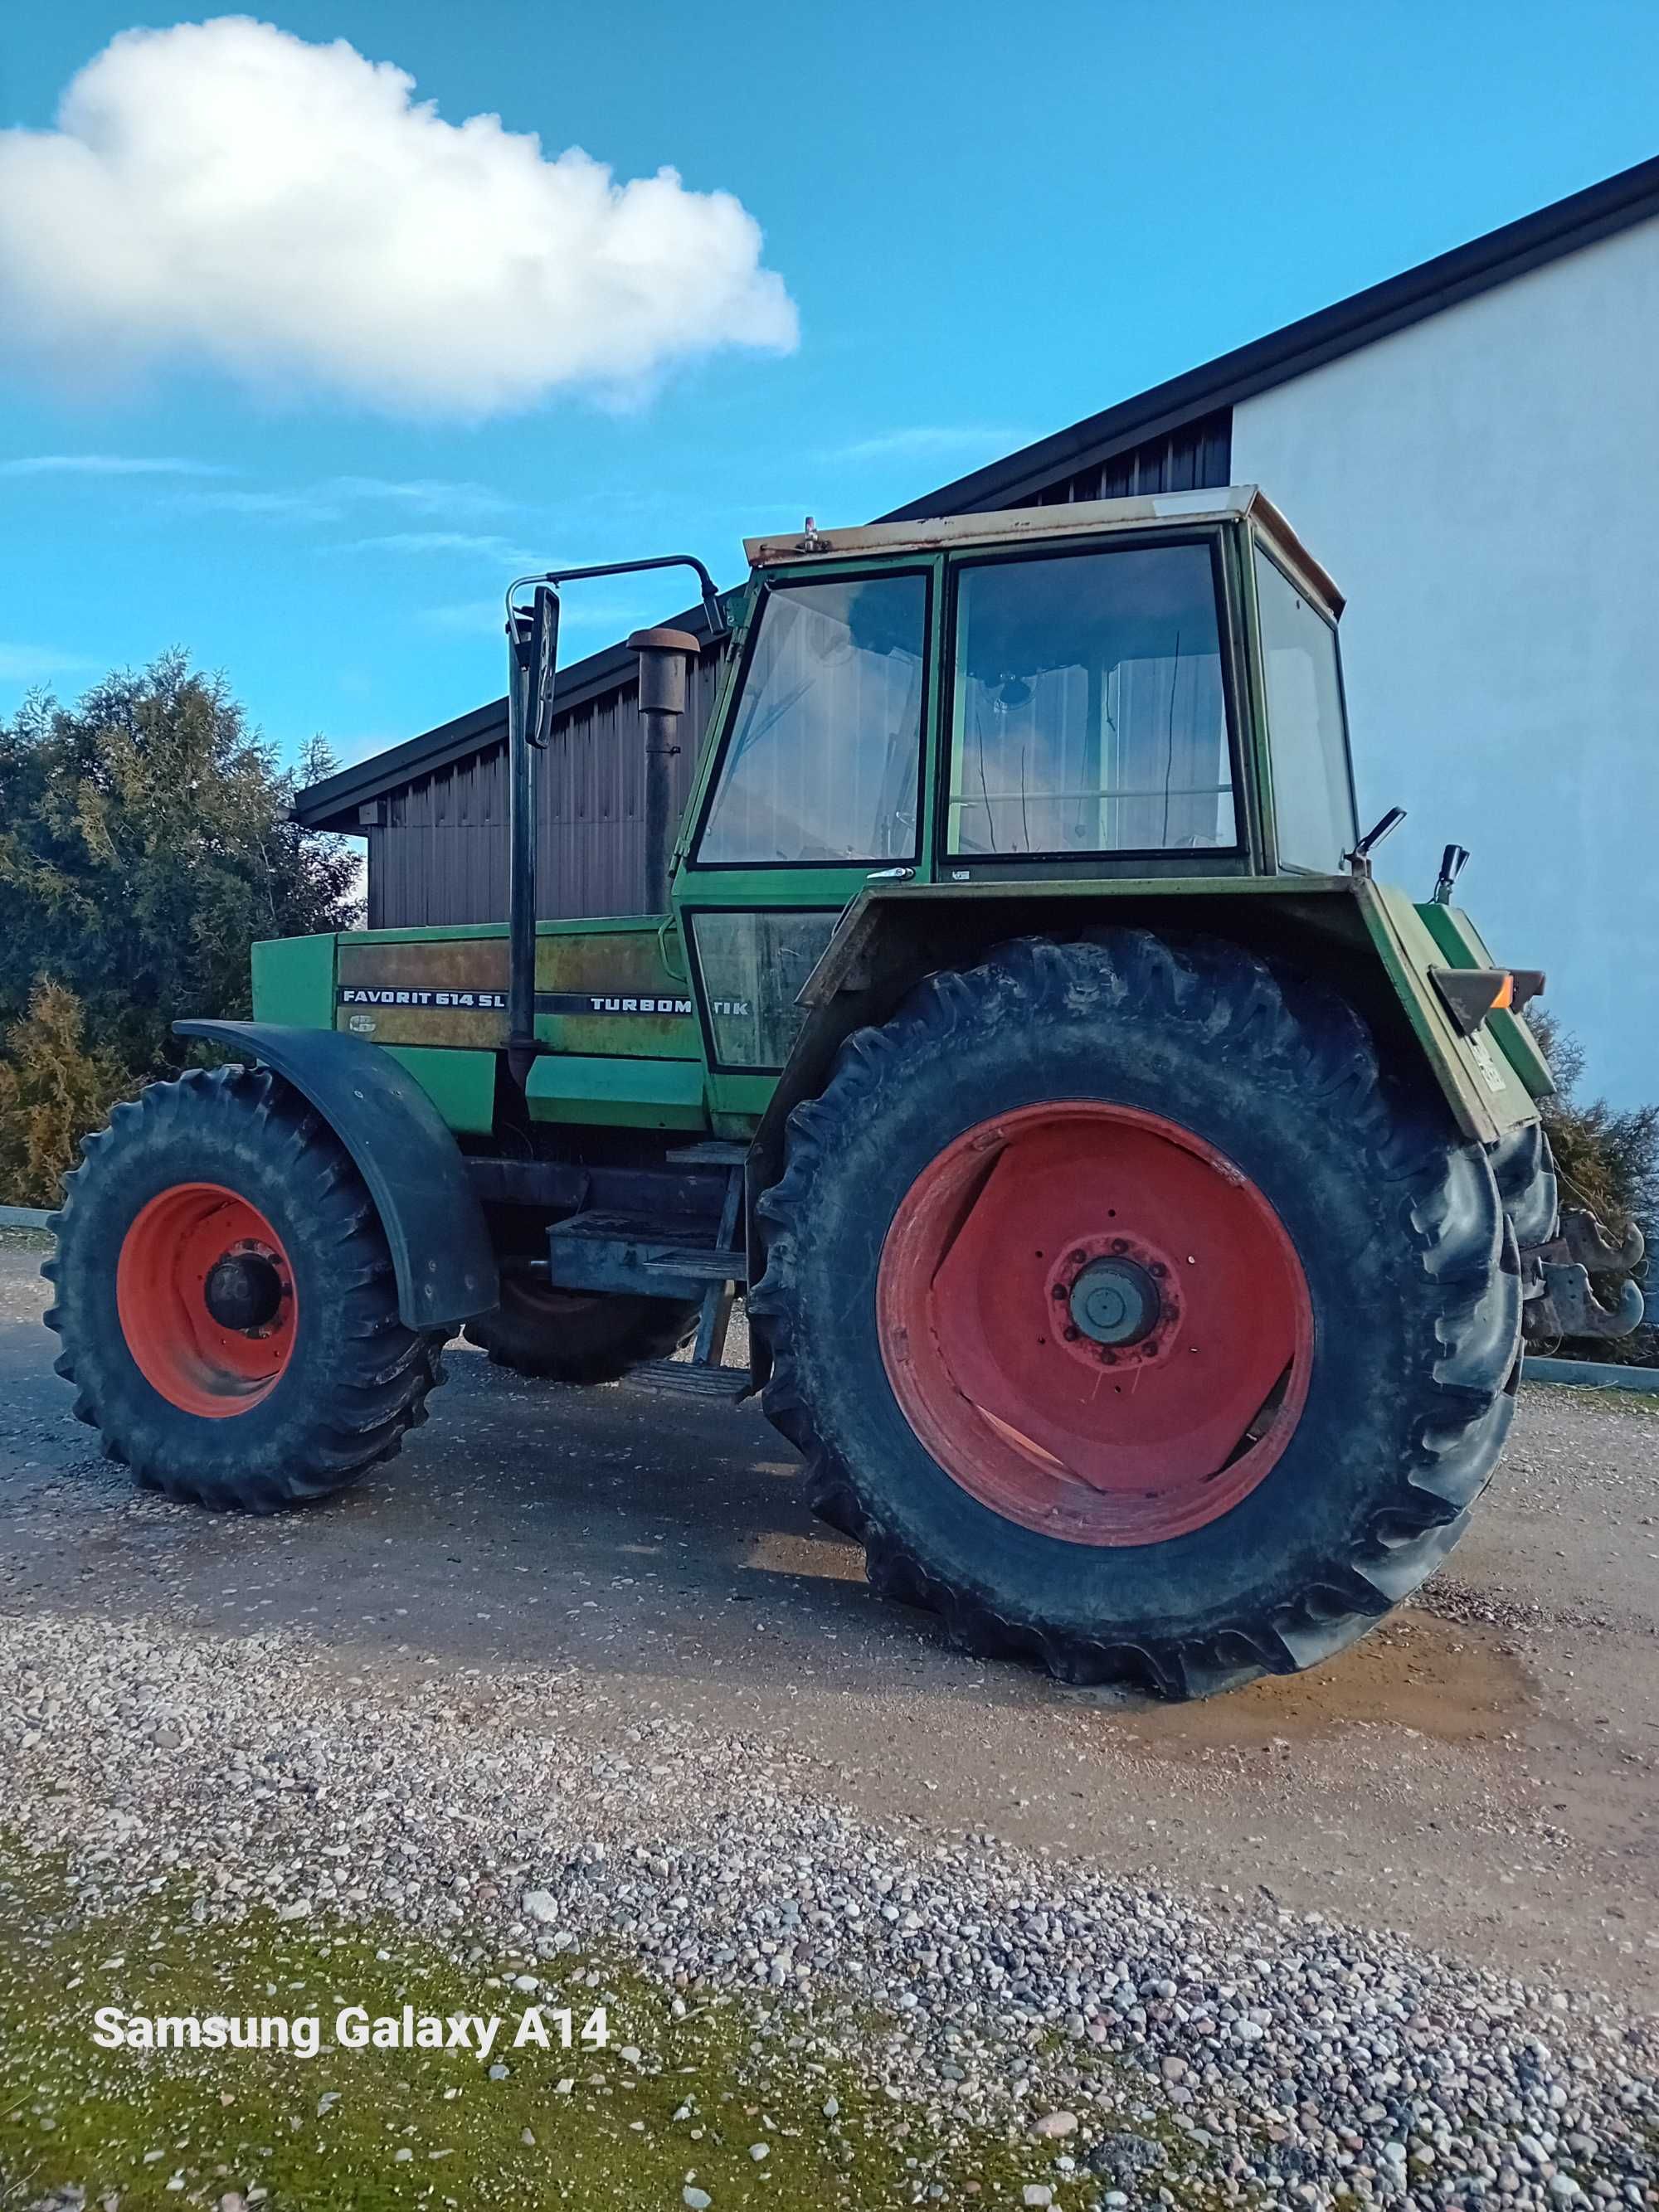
1605,1160
145,843
53,1088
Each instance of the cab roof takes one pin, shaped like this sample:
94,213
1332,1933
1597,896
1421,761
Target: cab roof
1082,518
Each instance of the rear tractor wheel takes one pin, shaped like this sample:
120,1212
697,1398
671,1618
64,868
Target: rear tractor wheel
1131,1319
569,1336
226,1298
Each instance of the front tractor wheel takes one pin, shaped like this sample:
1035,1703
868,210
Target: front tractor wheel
1130,1319
226,1299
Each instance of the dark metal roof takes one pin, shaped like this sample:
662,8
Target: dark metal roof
1563,228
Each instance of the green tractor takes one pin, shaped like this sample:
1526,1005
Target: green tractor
1139,1207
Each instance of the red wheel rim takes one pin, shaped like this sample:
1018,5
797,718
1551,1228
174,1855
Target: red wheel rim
197,1362
1096,1324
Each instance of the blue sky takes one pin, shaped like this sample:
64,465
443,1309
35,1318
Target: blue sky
990,221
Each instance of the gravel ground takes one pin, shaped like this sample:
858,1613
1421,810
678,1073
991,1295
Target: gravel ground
1300,2059
743,1797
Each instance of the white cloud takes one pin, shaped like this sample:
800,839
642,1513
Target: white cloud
941,438
280,506
484,547
38,664
224,192
329,500
426,496
104,464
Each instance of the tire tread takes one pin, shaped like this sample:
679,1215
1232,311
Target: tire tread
381,1371
1299,1035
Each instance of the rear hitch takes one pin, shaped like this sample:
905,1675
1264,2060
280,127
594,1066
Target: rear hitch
1560,1301
1583,1239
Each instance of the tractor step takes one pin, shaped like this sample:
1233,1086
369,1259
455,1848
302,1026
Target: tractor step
630,1252
691,1379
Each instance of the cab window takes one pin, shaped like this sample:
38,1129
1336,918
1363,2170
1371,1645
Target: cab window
1088,709
1307,732
823,763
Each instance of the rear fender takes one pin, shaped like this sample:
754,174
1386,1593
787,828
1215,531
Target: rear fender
403,1150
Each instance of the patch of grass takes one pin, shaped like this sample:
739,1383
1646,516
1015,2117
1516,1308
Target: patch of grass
1643,1405
24,1240
429,2128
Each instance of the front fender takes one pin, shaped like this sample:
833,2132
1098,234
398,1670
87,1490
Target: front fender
403,1150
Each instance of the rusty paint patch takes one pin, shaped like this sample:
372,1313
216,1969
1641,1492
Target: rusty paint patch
609,985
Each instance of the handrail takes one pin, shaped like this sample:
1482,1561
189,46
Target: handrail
532,643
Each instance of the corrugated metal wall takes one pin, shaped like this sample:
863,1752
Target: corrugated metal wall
439,853
1197,457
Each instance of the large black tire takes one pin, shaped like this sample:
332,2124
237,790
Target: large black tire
1524,1168
355,1379
1397,1225
565,1337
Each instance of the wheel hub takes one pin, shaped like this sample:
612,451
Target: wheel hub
206,1299
1113,1301
243,1291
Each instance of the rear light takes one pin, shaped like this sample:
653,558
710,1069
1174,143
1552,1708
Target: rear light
1469,994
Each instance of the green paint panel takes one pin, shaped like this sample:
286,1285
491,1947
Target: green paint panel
1462,946
294,982
1484,1090
461,1084
738,1101
635,1094
765,887
472,932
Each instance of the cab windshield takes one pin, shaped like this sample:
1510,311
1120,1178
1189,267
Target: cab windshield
1088,707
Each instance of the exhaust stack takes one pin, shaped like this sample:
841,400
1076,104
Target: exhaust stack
664,658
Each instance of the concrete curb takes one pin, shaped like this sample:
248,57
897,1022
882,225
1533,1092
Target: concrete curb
1590,1374
23,1216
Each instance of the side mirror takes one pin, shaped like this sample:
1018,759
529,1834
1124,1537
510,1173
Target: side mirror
544,659
1453,861
1359,860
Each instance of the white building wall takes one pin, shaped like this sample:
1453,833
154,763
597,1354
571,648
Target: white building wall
1485,489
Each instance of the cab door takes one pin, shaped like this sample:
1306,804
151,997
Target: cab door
817,777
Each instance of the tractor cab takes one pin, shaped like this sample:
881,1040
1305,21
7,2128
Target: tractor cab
1143,689
1063,687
